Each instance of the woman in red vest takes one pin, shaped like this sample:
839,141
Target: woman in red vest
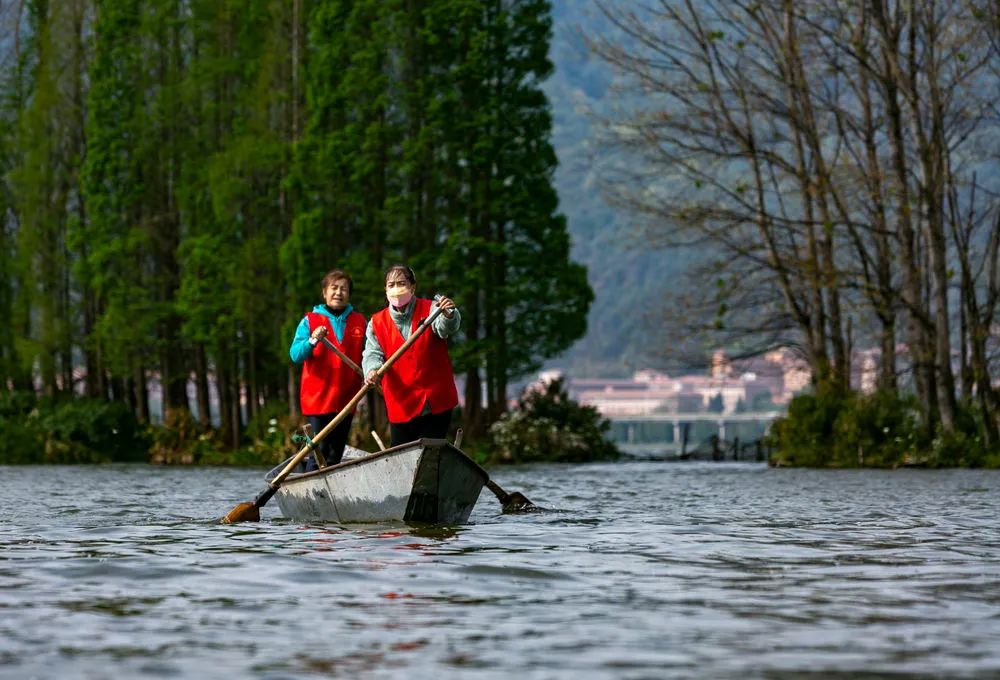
328,384
419,389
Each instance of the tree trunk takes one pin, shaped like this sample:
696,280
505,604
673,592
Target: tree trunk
909,258
819,359
140,392
223,384
472,414
202,394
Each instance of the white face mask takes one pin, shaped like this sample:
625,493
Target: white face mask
400,300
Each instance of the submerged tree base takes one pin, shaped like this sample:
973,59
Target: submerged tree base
880,430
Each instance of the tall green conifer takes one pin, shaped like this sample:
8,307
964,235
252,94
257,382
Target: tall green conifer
344,163
114,190
508,248
351,133
17,59
44,181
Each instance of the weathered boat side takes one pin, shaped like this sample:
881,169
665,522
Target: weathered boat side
445,487
427,481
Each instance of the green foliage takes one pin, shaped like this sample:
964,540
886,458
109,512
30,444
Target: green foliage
853,430
8,357
68,431
46,146
237,150
957,449
20,442
270,433
965,447
178,440
268,440
110,246
803,437
107,428
17,404
878,430
513,229
548,426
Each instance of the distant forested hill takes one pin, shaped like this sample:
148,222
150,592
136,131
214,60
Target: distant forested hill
626,276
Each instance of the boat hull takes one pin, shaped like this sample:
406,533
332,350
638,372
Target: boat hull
426,482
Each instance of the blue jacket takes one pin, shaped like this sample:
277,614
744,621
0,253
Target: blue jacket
301,349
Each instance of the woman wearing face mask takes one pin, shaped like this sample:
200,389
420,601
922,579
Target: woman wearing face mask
419,389
328,383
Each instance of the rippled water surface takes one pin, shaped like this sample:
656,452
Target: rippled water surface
637,570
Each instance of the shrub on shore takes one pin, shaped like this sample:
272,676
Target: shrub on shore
267,440
880,430
548,426
77,430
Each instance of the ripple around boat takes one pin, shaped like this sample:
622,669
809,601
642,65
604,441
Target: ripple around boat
427,481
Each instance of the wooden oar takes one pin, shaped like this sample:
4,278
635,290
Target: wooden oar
510,502
250,511
347,360
343,357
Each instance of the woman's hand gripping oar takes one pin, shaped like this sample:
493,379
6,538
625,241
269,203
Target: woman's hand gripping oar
250,511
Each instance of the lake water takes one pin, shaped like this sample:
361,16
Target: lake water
637,570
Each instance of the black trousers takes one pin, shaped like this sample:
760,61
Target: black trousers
431,426
332,445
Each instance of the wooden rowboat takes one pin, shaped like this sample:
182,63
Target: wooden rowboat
427,481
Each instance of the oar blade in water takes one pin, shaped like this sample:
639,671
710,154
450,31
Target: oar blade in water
244,512
511,502
517,502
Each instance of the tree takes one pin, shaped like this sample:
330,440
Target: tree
116,265
455,178
512,316
16,61
44,186
349,133
812,146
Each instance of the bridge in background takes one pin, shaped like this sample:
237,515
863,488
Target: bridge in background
670,433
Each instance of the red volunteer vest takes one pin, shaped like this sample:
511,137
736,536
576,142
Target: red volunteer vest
423,374
327,382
